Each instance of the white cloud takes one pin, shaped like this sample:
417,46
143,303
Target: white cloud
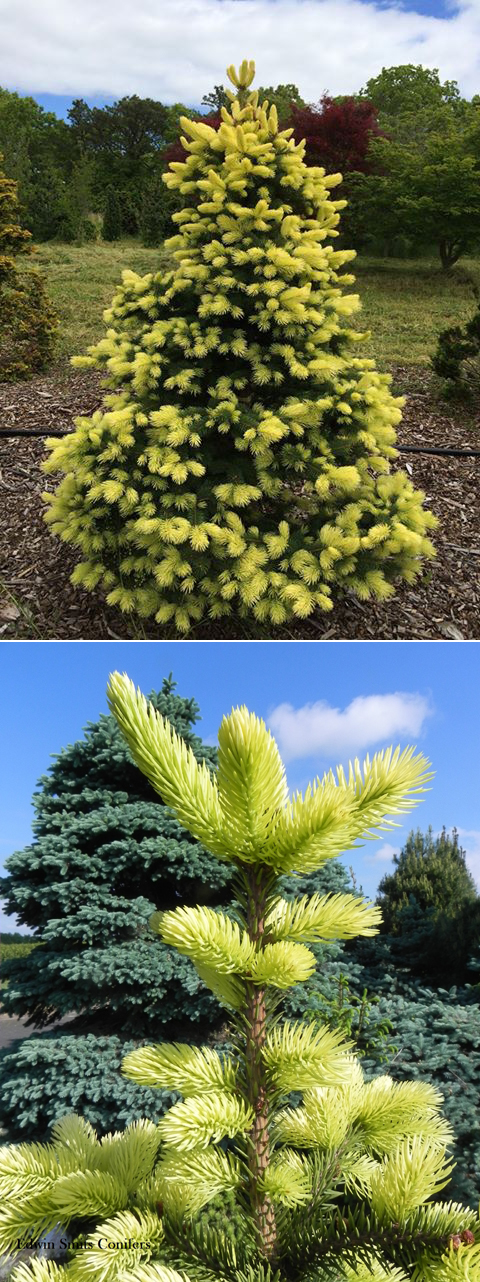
320,730
177,50
384,855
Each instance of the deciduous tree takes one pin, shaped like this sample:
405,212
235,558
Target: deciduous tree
425,185
337,133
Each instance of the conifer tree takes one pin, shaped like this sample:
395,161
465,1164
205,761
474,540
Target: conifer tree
79,199
151,216
431,908
430,868
27,321
112,218
241,463
457,358
51,212
338,1186
158,205
105,854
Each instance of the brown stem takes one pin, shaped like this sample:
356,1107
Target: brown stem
382,1237
258,1137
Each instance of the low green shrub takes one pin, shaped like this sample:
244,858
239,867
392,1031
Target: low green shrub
457,358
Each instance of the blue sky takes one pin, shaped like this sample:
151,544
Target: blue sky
177,50
324,702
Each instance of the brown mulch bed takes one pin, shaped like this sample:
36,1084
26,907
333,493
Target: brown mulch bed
37,600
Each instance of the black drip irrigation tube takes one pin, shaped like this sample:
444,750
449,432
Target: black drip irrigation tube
31,431
427,449
402,449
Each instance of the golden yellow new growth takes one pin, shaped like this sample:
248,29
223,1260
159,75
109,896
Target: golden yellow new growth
244,813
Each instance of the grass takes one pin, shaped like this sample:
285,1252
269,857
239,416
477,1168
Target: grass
7,951
81,281
405,303
11,950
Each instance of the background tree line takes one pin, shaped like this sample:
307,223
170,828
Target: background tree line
407,144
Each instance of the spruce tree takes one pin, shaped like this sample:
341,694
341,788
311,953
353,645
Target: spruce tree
27,321
430,868
105,854
157,208
112,218
241,463
242,1180
431,908
50,215
79,199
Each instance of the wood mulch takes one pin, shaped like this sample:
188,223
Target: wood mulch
37,600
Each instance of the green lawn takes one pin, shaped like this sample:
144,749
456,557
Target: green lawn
81,282
405,302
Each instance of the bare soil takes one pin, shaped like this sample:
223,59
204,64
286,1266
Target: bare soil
37,600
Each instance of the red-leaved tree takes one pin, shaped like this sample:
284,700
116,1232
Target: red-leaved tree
337,134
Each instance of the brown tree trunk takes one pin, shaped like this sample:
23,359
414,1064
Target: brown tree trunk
449,253
258,1137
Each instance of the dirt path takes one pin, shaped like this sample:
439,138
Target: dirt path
13,1029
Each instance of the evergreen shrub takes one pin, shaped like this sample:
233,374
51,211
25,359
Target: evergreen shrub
457,358
27,320
112,218
242,461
